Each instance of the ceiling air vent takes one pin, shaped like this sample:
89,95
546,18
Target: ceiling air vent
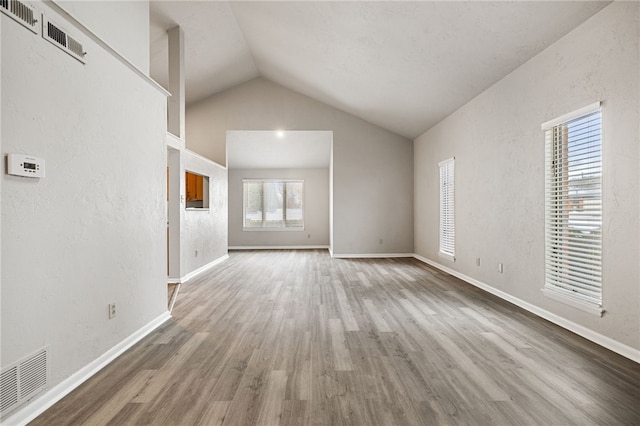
20,12
23,380
60,38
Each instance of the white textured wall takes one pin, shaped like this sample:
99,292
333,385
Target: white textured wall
316,209
372,167
93,231
205,230
123,25
499,150
1,153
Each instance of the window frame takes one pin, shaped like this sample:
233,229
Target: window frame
564,256
285,227
446,229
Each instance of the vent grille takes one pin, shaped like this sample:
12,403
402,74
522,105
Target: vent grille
60,38
21,13
56,34
33,374
8,389
23,380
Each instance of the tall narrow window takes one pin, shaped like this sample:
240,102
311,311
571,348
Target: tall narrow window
573,206
273,204
447,217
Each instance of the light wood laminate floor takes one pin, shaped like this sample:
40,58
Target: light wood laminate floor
298,338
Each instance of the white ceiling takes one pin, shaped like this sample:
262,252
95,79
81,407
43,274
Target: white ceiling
401,65
270,150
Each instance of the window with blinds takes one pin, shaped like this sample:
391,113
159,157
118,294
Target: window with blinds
273,204
447,220
573,205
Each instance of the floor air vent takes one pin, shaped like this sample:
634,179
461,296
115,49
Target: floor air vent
60,38
23,380
21,13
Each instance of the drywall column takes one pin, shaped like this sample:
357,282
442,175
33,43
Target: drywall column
175,212
176,103
176,126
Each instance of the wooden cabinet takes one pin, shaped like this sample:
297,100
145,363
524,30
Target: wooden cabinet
199,186
194,188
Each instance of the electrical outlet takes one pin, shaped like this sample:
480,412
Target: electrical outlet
112,310
196,253
477,261
381,241
500,268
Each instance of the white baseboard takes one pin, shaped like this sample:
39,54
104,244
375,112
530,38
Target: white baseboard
613,345
310,247
55,394
191,275
370,255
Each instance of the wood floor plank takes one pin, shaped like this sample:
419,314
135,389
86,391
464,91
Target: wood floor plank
271,410
376,317
289,337
118,401
215,414
156,384
341,355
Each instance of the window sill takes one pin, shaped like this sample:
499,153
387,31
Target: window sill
447,256
197,209
273,229
584,306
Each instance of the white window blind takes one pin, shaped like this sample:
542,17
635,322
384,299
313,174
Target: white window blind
447,219
573,205
273,204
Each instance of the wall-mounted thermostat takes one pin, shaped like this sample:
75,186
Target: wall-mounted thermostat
25,165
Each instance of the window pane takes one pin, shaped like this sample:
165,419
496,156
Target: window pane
273,203
273,196
253,204
294,204
447,219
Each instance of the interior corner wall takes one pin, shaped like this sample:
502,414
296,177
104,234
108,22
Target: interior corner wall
316,209
92,232
372,167
2,156
204,230
499,149
123,25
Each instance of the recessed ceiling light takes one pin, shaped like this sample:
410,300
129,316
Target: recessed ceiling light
280,133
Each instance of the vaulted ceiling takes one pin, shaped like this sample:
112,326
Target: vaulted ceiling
401,65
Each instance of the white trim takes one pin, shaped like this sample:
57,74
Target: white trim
370,255
174,297
55,394
310,247
447,161
271,180
104,45
570,116
604,341
447,256
174,142
568,300
202,269
202,157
